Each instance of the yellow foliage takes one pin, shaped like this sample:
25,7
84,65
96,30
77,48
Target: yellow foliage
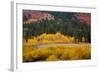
32,53
56,37
46,41
58,41
50,38
52,58
57,53
32,41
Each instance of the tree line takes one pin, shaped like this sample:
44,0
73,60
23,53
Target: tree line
68,27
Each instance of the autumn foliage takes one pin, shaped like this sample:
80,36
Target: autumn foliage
56,53
50,38
56,36
32,52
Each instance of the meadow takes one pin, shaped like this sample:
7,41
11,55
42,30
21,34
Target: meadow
56,53
32,50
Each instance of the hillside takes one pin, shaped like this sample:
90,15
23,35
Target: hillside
30,16
37,16
73,24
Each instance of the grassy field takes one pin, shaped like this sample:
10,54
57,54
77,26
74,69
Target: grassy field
56,53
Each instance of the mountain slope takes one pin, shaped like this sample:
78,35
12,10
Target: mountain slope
30,16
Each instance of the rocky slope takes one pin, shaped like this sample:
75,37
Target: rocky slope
35,16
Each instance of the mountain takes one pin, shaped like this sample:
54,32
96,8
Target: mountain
30,16
83,18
